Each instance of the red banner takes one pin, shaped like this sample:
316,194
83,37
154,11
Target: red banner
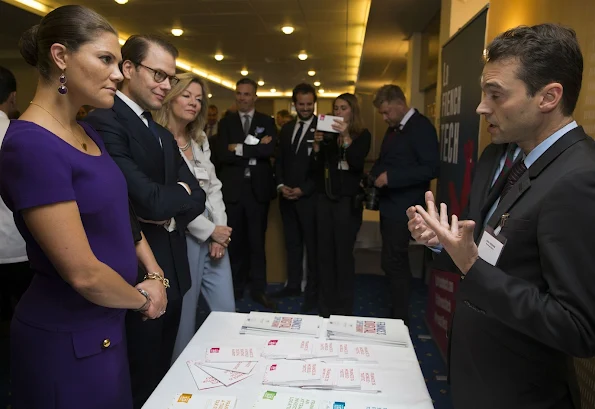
441,305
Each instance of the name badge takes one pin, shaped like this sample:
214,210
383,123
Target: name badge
252,162
343,165
201,173
490,246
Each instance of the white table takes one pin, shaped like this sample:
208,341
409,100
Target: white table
399,374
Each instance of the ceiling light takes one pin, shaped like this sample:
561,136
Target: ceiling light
317,83
311,73
303,56
321,91
36,5
121,1
260,83
273,90
210,95
219,57
287,29
175,31
244,72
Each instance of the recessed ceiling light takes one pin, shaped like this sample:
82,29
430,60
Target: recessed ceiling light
244,72
210,95
317,83
219,57
311,73
273,90
303,56
177,31
121,1
321,91
287,29
260,83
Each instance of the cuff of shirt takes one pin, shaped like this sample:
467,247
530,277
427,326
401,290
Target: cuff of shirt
185,188
436,249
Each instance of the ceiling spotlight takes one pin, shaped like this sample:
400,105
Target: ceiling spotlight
321,91
273,90
244,72
303,56
177,31
210,95
287,29
311,73
121,1
317,83
219,57
260,83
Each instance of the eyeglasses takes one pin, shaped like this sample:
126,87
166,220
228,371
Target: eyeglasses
160,76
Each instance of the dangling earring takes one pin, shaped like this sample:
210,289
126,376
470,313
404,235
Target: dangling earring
62,88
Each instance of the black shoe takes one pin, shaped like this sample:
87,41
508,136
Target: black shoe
287,292
263,300
308,305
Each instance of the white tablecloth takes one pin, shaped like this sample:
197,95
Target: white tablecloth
399,374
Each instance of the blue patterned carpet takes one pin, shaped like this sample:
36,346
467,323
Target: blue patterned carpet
371,300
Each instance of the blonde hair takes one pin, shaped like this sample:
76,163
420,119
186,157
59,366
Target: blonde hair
195,128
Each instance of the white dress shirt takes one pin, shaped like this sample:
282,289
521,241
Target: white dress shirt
307,123
12,245
406,118
214,215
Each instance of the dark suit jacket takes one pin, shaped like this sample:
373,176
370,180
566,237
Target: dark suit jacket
232,166
152,174
291,168
517,324
342,182
411,160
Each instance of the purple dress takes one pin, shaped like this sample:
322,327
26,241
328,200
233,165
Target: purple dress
67,352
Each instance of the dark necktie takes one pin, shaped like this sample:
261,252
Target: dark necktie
508,162
515,174
296,139
246,124
153,127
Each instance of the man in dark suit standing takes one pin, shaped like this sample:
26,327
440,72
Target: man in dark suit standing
245,142
298,207
163,191
408,161
525,306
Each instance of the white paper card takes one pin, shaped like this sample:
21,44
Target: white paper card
343,165
231,354
489,248
251,140
243,367
201,173
239,149
202,379
198,401
225,377
252,162
325,123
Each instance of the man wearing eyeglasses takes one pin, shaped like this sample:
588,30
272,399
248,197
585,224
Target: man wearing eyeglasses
164,193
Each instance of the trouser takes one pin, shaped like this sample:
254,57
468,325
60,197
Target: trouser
248,219
299,228
338,225
395,263
212,278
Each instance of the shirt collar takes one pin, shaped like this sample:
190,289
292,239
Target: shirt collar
249,113
408,115
136,108
307,122
547,143
3,115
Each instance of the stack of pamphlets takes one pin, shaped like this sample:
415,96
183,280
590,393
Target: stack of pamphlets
327,351
275,399
316,375
223,366
381,331
199,401
289,348
271,324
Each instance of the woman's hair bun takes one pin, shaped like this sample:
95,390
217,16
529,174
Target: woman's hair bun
28,46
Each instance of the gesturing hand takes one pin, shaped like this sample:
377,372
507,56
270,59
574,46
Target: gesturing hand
456,237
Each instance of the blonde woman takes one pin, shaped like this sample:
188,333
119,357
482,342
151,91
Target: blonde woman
184,113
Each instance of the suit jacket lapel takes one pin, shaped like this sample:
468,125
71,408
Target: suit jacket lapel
308,135
524,183
168,155
140,131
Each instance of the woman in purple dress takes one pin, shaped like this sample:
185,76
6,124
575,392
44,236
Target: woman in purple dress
70,204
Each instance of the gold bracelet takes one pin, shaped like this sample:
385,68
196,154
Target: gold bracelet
158,277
